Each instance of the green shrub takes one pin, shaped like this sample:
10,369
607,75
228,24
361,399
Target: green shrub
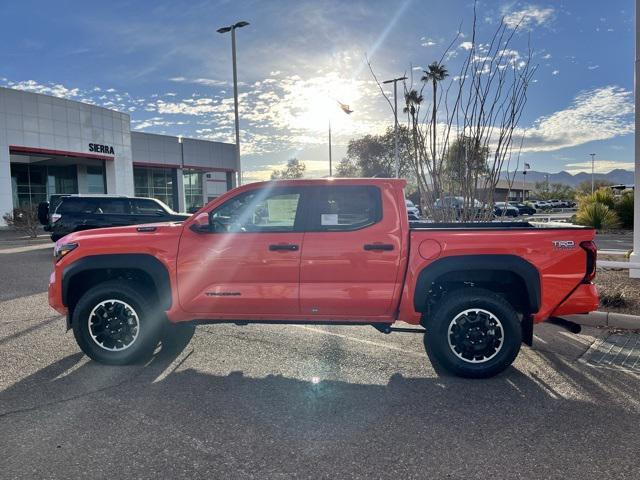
603,196
624,209
597,215
24,221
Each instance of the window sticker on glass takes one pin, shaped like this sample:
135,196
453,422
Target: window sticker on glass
282,209
329,219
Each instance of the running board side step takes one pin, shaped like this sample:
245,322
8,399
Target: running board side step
387,328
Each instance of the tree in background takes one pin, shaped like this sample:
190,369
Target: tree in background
435,73
294,169
374,155
584,188
464,160
347,169
483,101
552,191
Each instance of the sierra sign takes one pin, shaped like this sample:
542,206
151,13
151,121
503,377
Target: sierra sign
94,147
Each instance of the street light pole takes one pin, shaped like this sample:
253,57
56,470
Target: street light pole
593,164
395,116
330,166
345,108
232,29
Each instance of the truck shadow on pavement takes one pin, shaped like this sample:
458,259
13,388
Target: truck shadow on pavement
518,421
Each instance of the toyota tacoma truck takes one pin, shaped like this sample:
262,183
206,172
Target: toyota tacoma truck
330,251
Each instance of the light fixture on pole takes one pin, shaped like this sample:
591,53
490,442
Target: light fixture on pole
395,116
345,108
232,29
593,169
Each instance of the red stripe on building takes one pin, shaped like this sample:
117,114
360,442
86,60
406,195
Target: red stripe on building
45,151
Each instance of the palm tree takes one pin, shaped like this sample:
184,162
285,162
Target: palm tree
435,72
413,100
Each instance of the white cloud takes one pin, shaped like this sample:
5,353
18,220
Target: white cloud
529,17
427,42
209,82
546,56
466,45
599,114
600,166
555,72
53,89
593,67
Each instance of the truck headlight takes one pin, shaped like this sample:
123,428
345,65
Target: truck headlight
61,250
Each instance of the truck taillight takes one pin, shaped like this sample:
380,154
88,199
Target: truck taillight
592,255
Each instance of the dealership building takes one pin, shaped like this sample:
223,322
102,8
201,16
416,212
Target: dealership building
50,145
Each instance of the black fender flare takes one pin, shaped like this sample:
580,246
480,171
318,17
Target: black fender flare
459,263
129,261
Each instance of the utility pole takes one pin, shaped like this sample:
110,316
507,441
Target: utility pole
593,169
330,166
232,29
395,116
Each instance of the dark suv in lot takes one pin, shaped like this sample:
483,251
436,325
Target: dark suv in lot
73,213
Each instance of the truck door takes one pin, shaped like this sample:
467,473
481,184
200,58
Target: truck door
351,253
249,264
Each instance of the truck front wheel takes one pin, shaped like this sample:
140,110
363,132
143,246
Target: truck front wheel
116,324
473,333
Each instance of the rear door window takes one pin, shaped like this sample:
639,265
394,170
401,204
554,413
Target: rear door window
113,206
345,208
145,206
77,206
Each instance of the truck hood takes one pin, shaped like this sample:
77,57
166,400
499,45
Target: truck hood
123,234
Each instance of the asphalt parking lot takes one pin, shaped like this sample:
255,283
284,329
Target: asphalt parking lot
305,401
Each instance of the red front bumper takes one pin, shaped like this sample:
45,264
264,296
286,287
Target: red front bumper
55,295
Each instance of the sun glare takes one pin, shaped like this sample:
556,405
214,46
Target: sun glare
318,102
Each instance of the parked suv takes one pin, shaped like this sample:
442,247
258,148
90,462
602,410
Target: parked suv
73,213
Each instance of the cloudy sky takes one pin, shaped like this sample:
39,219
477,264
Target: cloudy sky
163,63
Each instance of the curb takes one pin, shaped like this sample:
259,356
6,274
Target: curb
606,319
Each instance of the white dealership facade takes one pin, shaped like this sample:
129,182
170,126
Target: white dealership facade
50,145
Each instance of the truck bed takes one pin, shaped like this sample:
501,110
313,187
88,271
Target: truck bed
421,225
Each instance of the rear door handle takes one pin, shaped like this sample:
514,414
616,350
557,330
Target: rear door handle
283,246
378,246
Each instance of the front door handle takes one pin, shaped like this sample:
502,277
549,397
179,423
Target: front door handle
378,246
283,246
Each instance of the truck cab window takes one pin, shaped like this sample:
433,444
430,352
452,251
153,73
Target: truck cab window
346,208
263,210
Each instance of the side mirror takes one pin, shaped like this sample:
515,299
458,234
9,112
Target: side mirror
202,224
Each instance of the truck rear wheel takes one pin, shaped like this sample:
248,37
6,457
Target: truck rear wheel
474,333
115,324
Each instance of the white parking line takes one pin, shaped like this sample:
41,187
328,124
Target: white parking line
361,340
28,248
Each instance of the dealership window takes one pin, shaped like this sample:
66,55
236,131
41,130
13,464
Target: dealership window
193,197
155,183
95,179
32,184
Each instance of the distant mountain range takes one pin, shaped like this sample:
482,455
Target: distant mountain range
617,176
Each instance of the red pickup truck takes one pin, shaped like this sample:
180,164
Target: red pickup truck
331,251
